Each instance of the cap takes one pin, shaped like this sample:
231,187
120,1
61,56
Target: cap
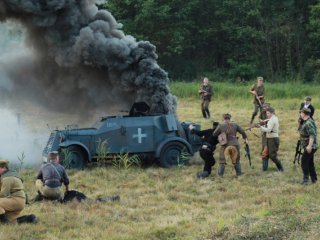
266,105
260,78
226,116
52,155
307,98
306,111
4,163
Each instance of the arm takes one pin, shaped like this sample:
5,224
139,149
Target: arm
5,187
269,126
312,136
243,133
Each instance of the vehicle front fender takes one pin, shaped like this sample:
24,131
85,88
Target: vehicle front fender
76,143
174,139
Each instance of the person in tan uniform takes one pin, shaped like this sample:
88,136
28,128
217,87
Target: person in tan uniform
12,196
257,90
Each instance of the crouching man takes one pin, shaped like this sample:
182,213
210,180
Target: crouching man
50,178
12,196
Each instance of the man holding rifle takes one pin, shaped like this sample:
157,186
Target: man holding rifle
308,141
257,90
205,92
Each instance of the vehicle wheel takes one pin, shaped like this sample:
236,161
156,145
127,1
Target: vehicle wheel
76,157
172,154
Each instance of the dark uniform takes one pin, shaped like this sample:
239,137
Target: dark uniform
257,107
230,129
308,130
207,149
206,94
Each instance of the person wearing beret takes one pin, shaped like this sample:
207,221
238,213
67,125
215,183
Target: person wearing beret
12,196
308,141
305,104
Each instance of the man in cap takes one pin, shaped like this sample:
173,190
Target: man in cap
229,130
205,92
305,104
273,142
50,178
263,122
257,90
308,141
207,148
12,196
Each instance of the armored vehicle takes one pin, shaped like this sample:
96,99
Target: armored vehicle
157,137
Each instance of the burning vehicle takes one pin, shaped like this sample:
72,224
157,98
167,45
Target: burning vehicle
158,137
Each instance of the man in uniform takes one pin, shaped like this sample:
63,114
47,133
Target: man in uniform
205,92
230,130
12,196
273,142
257,90
207,148
50,178
263,122
305,104
308,141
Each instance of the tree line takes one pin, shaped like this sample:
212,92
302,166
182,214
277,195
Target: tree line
231,39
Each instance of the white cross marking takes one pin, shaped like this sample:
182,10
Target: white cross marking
139,135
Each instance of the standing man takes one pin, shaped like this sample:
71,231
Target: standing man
308,140
205,92
273,142
230,129
12,196
306,104
207,148
263,122
257,90
50,178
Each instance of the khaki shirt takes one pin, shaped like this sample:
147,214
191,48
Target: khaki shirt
11,185
272,128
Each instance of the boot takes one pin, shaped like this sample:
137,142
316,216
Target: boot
279,166
265,164
221,170
237,167
305,180
3,219
27,219
203,175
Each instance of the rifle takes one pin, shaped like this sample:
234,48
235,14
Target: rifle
298,152
247,154
258,99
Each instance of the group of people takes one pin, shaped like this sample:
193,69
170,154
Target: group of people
13,199
225,134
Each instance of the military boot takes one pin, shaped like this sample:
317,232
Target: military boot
221,170
237,167
27,219
265,164
4,219
305,180
203,175
279,166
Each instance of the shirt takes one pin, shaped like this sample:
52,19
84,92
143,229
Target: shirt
272,128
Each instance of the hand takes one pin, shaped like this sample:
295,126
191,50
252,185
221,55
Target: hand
309,149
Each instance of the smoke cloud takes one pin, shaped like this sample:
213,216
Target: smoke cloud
79,60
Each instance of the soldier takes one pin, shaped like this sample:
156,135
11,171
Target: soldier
231,145
308,141
272,134
207,148
257,90
205,92
305,104
12,197
50,178
263,122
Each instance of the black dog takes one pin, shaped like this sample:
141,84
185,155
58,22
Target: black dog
73,195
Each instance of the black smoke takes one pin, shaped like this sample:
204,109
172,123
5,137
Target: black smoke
81,60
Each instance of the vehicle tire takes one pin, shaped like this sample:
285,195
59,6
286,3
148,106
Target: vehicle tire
77,158
171,154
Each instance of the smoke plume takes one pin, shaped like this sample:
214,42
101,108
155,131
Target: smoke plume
78,59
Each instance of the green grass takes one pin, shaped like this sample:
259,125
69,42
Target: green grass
158,203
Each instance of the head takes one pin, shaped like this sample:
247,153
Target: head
205,81
215,125
53,156
4,166
265,106
307,99
260,80
305,113
270,111
226,116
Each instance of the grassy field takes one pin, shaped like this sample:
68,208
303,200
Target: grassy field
158,203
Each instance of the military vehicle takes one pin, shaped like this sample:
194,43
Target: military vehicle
157,137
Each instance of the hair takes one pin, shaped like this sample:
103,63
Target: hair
53,155
226,116
270,109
